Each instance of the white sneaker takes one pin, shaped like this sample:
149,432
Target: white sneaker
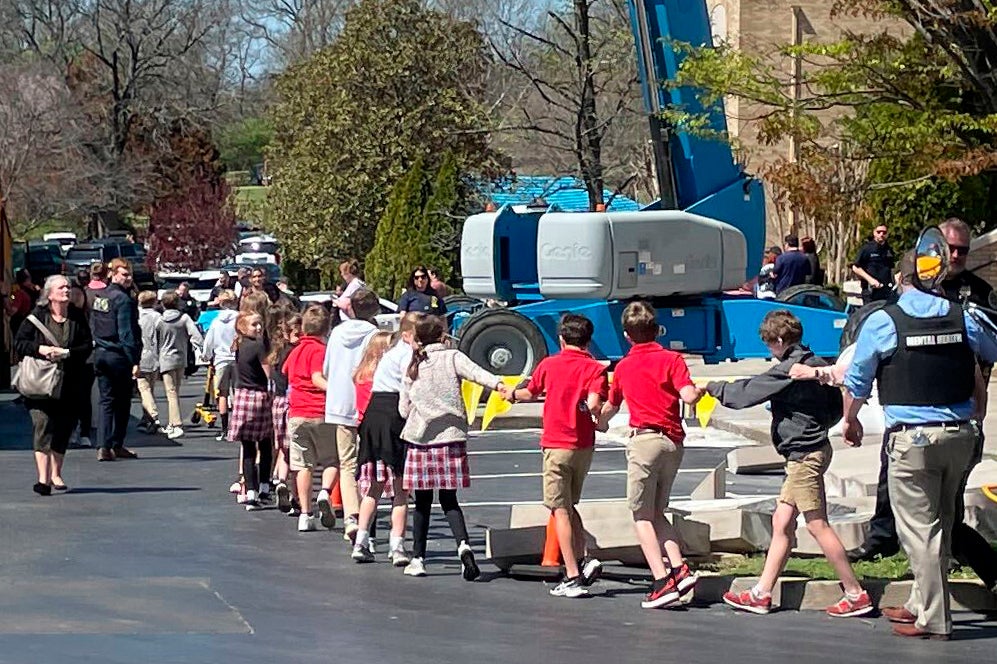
173,432
85,442
306,523
415,568
570,588
252,501
468,566
350,529
325,510
372,545
220,437
400,557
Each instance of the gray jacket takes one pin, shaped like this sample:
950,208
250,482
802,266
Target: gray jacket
432,404
802,411
149,320
178,333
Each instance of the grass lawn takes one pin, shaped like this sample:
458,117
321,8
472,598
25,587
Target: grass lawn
250,194
892,568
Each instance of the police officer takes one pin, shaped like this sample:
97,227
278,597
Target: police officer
118,345
874,266
922,351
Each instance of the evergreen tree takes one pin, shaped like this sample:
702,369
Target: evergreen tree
396,241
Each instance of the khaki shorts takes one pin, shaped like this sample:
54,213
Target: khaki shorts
223,381
312,443
804,485
564,474
653,461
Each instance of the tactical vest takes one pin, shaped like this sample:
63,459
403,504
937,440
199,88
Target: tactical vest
104,315
933,364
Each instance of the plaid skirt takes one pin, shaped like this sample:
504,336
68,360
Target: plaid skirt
280,437
436,467
376,471
251,416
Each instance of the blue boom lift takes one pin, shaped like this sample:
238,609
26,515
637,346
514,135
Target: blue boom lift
705,235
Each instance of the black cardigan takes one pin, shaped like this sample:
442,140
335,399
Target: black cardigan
80,341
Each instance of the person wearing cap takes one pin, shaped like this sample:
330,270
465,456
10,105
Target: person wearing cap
922,351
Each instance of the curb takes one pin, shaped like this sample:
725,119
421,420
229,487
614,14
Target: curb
509,422
762,437
799,594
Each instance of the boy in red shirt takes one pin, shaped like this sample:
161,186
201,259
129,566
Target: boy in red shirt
312,441
653,380
575,385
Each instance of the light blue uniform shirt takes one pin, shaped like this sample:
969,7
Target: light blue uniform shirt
878,339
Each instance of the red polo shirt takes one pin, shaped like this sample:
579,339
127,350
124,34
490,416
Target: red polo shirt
568,378
649,378
304,399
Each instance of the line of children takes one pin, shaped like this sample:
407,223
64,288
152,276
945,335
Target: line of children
285,335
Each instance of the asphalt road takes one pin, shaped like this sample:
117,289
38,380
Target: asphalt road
152,560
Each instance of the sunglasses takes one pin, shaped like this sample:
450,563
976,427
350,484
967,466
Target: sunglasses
418,276
960,249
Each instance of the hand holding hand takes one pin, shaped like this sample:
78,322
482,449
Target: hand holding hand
802,372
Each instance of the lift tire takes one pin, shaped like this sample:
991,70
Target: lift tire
462,303
850,332
807,295
503,341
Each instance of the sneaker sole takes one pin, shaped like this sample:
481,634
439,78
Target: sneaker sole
328,516
361,559
853,614
469,568
687,584
414,573
574,594
664,600
593,576
400,562
757,610
284,499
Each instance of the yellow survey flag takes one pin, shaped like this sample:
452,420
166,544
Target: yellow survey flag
496,405
472,395
704,409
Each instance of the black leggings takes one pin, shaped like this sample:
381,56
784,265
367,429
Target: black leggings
420,520
250,472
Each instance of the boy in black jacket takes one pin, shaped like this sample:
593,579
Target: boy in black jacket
801,414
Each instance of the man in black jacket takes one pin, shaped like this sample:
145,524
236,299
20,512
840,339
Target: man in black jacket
118,346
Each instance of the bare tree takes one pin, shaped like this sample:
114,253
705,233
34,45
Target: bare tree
129,64
577,95
291,30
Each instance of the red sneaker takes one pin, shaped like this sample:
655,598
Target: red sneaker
745,601
685,579
846,608
663,595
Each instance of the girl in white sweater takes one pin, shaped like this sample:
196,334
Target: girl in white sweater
436,433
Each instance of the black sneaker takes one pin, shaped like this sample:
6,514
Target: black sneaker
469,568
591,570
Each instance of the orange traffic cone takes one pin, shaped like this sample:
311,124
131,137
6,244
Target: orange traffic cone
337,496
552,550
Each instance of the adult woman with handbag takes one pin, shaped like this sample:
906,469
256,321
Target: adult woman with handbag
55,332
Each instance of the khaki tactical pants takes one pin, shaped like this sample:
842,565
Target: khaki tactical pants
925,476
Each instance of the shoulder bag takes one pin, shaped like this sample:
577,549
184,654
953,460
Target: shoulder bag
38,378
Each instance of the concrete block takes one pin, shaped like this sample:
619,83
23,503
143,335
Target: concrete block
967,595
609,529
736,530
853,472
787,593
713,486
515,546
757,459
851,530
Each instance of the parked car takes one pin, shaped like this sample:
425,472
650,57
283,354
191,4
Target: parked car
42,259
272,269
389,318
135,254
201,282
107,249
258,249
64,238
80,256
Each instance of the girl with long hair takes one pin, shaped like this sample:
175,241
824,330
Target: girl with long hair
251,422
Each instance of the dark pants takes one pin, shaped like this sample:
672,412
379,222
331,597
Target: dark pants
420,519
252,473
968,546
86,405
114,382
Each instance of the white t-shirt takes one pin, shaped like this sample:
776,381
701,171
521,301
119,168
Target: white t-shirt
392,367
